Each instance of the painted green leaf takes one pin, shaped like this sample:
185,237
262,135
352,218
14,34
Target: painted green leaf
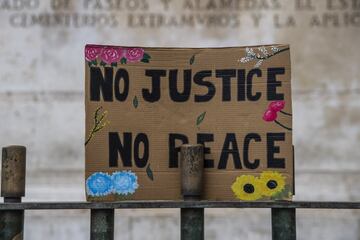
200,118
192,60
149,173
146,56
114,64
145,60
281,195
123,60
89,64
102,63
135,102
94,62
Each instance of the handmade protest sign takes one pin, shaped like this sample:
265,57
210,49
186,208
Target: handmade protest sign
143,103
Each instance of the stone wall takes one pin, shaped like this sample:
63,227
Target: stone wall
42,101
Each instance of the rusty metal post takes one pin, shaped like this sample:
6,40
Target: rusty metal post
192,168
283,221
102,224
12,189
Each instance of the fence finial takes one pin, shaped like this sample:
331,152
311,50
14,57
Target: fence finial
192,168
13,172
12,189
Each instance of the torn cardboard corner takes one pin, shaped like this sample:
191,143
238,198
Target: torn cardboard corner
143,103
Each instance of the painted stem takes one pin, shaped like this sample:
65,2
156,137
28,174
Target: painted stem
289,114
98,124
290,129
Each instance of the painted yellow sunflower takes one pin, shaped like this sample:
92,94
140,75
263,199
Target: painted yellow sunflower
247,187
272,183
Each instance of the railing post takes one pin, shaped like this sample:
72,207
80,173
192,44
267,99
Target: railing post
12,189
102,224
283,222
192,166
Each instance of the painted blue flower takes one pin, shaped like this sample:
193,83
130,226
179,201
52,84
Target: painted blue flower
124,182
99,184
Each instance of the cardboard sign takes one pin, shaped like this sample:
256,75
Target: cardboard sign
143,103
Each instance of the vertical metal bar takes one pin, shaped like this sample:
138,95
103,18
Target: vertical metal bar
192,224
102,224
283,223
192,166
12,189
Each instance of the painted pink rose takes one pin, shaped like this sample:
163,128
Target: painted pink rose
134,54
277,105
111,55
92,52
269,115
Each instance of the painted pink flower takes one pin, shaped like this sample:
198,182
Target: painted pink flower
134,54
276,106
92,52
269,115
111,55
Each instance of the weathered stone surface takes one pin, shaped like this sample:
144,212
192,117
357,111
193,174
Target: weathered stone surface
41,102
326,131
51,127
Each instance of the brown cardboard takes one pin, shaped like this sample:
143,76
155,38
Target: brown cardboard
218,117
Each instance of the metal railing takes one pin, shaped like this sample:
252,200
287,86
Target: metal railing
283,213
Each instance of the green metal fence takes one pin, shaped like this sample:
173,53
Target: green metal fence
283,213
